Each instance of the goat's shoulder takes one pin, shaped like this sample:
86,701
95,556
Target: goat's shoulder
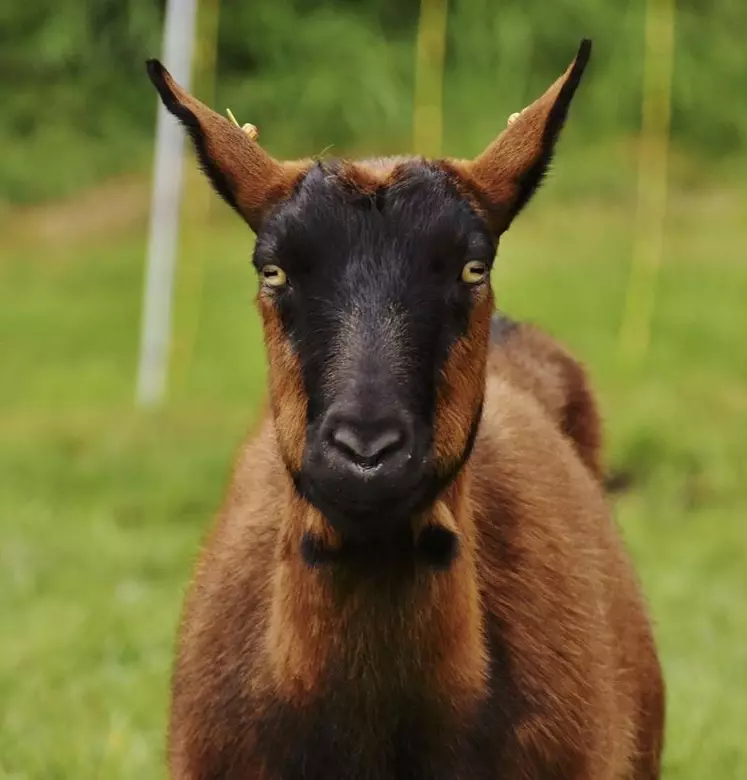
228,601
239,551
536,503
245,530
561,607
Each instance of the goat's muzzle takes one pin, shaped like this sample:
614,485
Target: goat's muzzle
362,468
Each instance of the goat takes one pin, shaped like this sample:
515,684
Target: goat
415,573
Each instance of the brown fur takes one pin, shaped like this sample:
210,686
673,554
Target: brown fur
501,180
368,176
286,387
462,385
530,656
542,576
541,367
240,169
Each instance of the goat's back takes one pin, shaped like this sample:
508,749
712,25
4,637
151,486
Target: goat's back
534,363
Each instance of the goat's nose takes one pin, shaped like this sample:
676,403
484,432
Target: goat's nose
366,447
368,443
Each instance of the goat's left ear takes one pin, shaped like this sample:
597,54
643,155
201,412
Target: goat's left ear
506,175
240,170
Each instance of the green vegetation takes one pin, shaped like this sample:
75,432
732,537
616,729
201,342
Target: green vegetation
77,106
102,508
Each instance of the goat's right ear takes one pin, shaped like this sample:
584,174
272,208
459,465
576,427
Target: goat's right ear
241,171
509,171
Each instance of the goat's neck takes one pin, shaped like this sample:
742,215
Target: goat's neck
389,626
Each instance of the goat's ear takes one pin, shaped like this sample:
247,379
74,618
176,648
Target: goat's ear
241,171
509,171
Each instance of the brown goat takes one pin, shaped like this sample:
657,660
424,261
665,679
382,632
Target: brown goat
415,574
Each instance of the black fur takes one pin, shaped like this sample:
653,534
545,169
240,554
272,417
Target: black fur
374,303
437,546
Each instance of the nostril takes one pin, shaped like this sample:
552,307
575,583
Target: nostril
367,448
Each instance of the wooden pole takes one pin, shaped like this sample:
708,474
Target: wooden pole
648,248
429,78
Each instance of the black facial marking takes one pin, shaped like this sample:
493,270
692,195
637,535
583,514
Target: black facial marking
437,546
315,552
360,552
374,302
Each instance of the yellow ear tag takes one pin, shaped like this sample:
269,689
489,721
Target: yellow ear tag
247,128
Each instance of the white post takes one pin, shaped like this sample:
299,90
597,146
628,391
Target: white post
178,40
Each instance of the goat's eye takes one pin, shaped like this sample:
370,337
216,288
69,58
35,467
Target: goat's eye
273,275
474,271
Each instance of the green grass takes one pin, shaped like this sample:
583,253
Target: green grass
102,508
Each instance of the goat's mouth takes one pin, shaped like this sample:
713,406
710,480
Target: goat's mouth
369,506
366,506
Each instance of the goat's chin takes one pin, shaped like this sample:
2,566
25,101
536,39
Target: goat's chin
387,530
367,515
380,522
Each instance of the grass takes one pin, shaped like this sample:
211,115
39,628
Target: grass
102,508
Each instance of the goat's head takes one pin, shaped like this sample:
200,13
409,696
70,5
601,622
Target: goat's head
376,300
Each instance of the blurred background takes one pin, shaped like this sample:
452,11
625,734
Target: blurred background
634,254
